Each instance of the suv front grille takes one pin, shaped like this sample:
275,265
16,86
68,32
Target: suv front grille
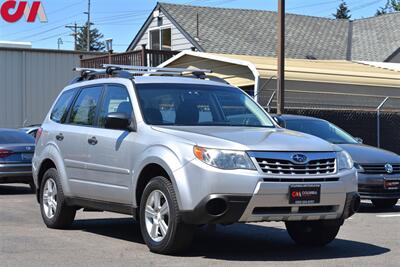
278,166
379,168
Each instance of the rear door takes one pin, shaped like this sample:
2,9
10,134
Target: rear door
110,157
72,139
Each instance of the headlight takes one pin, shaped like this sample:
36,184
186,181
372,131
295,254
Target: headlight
345,162
224,159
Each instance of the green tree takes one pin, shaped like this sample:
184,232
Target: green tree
96,42
342,12
391,6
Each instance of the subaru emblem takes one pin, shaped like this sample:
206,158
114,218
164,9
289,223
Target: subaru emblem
299,158
389,168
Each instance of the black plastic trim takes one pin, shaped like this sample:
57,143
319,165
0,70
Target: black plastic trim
352,204
387,195
236,205
101,205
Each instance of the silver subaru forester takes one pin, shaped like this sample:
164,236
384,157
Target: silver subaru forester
176,152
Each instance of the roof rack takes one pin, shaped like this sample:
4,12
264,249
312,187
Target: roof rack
126,71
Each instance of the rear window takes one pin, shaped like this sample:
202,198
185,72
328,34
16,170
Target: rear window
15,137
60,110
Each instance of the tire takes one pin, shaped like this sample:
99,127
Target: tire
384,203
161,225
55,212
313,233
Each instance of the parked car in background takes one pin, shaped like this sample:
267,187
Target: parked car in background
31,130
16,152
378,169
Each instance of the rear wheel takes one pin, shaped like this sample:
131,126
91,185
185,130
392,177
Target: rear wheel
160,220
384,203
313,233
55,212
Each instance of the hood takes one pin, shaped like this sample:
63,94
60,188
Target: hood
254,139
365,154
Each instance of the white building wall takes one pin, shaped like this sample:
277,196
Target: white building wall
178,40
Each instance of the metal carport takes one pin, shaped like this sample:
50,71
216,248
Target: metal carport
326,84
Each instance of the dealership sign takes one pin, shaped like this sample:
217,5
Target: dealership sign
13,11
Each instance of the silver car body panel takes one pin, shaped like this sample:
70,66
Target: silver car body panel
110,170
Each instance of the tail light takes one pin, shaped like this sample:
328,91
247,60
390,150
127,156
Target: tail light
38,134
4,153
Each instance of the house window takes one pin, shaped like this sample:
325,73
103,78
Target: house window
160,39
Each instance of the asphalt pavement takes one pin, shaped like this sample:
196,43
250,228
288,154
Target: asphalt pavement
370,238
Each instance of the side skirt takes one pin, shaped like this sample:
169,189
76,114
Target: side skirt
101,206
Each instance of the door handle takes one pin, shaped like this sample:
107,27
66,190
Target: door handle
92,141
60,137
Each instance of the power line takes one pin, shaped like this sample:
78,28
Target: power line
314,5
75,28
365,5
52,36
45,26
39,33
65,7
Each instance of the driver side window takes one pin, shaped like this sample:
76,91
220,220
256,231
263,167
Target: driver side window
116,99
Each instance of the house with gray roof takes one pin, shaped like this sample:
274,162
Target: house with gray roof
253,32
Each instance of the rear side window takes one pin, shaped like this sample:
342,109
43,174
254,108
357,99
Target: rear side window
60,110
15,137
84,109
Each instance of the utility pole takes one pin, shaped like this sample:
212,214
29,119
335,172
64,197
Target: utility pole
59,43
75,28
281,58
88,27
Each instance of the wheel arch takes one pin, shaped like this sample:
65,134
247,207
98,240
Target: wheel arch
44,166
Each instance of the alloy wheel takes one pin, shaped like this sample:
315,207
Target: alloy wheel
157,215
50,198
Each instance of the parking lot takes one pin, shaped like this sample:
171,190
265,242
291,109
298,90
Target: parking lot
370,238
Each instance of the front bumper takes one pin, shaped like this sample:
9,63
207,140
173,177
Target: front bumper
371,186
15,173
239,197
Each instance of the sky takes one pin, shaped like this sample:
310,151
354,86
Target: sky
121,19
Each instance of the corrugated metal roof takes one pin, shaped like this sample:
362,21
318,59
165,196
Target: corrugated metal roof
241,70
383,65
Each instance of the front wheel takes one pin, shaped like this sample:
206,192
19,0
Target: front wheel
160,221
313,233
55,212
384,203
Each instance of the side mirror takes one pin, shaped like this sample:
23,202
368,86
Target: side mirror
279,122
359,140
118,121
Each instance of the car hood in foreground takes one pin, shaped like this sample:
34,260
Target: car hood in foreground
246,138
365,154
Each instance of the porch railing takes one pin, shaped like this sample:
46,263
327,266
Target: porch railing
143,57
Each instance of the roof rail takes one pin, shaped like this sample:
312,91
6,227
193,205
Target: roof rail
152,70
126,71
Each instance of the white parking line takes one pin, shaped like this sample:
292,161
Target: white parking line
388,215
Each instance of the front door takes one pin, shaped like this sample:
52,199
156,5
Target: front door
110,157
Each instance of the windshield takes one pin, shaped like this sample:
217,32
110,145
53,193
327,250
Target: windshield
199,105
321,129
